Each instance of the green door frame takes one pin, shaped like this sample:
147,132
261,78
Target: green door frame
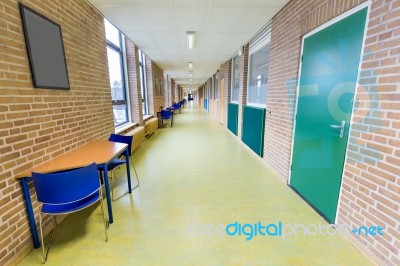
367,5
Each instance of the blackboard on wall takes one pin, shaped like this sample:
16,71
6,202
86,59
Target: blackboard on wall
45,48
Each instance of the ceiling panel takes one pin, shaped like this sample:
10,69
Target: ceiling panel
149,2
140,38
215,39
227,3
190,2
270,3
190,18
110,2
255,17
127,19
156,18
223,19
169,38
158,28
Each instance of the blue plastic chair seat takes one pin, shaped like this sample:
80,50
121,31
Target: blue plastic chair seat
71,207
166,114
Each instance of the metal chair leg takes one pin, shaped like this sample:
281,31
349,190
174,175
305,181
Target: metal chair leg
106,224
137,177
126,192
46,254
112,189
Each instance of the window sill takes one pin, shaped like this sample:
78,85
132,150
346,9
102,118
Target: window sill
147,117
124,127
258,105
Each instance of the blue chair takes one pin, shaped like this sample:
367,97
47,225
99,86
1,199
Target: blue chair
166,114
66,192
176,106
121,160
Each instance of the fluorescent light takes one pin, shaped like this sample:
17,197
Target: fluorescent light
190,74
190,37
190,64
191,80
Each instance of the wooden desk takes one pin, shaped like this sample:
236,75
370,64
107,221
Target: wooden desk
99,151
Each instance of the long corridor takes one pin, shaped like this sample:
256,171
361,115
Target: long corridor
195,179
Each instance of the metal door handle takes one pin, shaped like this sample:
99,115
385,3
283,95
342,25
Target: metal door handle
342,126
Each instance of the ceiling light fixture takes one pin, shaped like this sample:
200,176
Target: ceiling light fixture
190,39
190,73
190,64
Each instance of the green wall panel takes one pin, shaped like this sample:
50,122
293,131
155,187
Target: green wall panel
233,114
253,128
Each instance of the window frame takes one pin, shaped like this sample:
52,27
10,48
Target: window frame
233,78
143,84
120,50
253,50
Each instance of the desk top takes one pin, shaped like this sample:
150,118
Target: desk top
98,151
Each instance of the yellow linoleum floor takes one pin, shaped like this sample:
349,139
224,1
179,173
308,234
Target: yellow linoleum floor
194,176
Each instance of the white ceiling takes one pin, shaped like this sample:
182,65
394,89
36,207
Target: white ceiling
158,28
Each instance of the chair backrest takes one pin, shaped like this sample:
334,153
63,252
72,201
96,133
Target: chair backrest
166,114
67,186
176,106
122,139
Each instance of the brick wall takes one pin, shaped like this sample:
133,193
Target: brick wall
371,183
370,192
228,87
134,82
166,89
288,26
150,86
39,124
158,95
154,96
200,96
371,180
223,74
243,66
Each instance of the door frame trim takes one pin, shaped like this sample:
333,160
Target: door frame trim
366,4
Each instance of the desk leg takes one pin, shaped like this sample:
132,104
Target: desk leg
172,119
29,210
107,187
128,170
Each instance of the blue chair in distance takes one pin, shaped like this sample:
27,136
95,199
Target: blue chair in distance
67,192
176,106
166,114
121,160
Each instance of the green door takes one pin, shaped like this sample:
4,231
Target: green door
328,77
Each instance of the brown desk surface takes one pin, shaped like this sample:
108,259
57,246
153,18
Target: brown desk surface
98,151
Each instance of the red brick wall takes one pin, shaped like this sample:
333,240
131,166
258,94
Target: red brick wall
243,66
371,180
155,98
134,82
149,85
39,124
158,98
371,183
288,26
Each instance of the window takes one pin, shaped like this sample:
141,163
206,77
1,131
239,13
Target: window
258,75
142,63
235,79
116,72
